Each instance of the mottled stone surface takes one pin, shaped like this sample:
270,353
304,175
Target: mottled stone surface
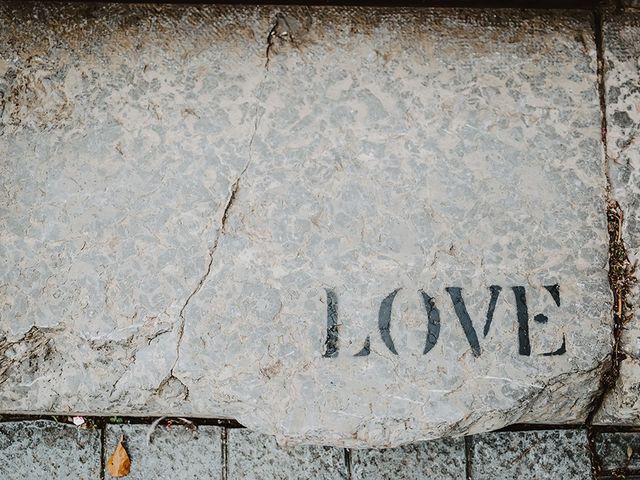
187,190
618,450
435,460
253,456
46,449
534,455
176,452
622,77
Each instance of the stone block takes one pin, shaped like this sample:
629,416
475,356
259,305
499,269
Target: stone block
176,452
532,455
618,451
442,459
253,456
46,449
344,226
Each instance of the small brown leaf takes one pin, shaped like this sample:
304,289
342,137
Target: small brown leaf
119,463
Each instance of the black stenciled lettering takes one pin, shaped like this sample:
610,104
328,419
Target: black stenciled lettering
560,351
433,322
554,291
384,320
495,293
524,346
461,311
331,343
541,318
366,349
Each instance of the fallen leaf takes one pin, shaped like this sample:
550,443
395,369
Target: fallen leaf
119,464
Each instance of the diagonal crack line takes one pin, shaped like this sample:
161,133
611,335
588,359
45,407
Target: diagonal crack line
221,231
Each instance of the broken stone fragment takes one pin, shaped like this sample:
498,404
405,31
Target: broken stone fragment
384,226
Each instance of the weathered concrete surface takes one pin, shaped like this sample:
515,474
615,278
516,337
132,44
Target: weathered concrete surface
534,455
177,452
622,76
442,459
187,191
44,449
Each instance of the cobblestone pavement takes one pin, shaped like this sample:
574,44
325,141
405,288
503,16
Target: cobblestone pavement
174,449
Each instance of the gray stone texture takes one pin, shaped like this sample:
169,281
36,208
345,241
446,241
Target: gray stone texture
182,184
622,77
253,456
532,455
442,459
48,450
618,451
176,452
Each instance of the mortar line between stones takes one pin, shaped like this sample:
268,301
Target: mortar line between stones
618,274
347,462
103,450
596,463
98,420
468,456
224,444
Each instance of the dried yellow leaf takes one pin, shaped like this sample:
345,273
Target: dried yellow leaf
119,463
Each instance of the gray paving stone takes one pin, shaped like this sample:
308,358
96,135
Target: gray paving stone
48,450
193,196
618,450
173,453
532,455
256,456
622,76
435,460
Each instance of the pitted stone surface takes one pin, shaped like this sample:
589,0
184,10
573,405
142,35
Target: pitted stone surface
534,455
46,449
253,456
622,76
191,195
442,459
176,452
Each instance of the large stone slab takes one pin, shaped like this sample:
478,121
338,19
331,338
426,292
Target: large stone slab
338,225
622,75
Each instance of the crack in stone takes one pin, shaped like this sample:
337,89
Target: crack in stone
281,31
235,186
621,271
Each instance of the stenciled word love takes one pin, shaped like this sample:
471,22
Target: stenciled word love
433,321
